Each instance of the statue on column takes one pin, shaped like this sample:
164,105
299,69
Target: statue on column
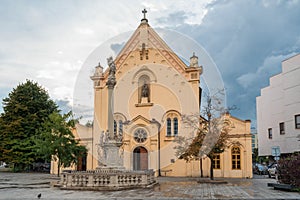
111,82
112,66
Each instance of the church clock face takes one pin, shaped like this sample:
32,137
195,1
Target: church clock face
140,135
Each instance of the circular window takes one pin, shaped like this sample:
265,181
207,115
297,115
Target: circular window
140,135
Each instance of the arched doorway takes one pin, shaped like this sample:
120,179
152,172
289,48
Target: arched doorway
140,158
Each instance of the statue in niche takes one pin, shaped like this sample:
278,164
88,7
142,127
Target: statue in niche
145,90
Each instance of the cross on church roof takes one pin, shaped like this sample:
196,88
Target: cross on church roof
144,12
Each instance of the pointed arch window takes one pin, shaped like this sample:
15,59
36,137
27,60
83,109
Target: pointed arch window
175,125
236,157
169,124
172,125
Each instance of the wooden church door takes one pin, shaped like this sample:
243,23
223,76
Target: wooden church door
140,159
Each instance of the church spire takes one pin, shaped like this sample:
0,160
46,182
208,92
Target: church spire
144,20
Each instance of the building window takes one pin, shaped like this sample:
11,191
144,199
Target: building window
236,158
169,127
120,127
281,128
115,127
270,133
216,161
297,121
175,124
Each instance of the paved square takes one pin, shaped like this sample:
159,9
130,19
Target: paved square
29,185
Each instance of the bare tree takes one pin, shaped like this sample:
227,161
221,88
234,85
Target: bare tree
211,129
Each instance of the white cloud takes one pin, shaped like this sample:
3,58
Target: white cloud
48,41
85,31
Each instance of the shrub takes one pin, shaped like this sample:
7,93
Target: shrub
289,170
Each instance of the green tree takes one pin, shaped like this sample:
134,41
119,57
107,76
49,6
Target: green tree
255,155
57,140
25,109
212,133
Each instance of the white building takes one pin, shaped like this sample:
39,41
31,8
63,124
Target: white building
278,111
254,139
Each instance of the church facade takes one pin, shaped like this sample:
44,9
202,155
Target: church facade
154,88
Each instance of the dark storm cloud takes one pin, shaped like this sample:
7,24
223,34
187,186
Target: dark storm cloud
64,105
174,19
117,47
248,40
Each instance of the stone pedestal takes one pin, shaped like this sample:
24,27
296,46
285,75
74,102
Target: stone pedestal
144,100
113,158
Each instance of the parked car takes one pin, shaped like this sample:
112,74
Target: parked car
272,170
260,169
5,167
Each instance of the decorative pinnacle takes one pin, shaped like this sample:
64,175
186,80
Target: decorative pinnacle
194,56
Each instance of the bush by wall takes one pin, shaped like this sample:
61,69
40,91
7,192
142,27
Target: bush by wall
289,170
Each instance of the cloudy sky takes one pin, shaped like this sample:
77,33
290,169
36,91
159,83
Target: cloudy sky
48,41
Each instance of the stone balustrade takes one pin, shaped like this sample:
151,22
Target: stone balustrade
106,179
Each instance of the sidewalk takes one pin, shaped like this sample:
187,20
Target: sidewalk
29,185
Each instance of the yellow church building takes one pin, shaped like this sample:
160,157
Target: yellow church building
153,89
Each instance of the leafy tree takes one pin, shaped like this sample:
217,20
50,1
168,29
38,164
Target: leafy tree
25,109
58,141
212,133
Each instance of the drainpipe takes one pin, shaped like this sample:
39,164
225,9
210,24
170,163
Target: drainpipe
158,144
92,146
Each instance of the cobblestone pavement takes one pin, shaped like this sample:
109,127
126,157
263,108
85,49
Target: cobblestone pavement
29,185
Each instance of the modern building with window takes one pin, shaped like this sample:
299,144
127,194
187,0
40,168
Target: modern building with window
254,139
278,111
154,89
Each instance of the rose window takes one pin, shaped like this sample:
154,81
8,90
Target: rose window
140,135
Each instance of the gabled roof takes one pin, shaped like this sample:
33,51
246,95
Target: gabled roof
144,34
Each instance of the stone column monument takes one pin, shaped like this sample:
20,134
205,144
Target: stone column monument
112,143
111,82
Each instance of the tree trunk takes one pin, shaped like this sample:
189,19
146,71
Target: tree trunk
58,169
201,169
211,168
